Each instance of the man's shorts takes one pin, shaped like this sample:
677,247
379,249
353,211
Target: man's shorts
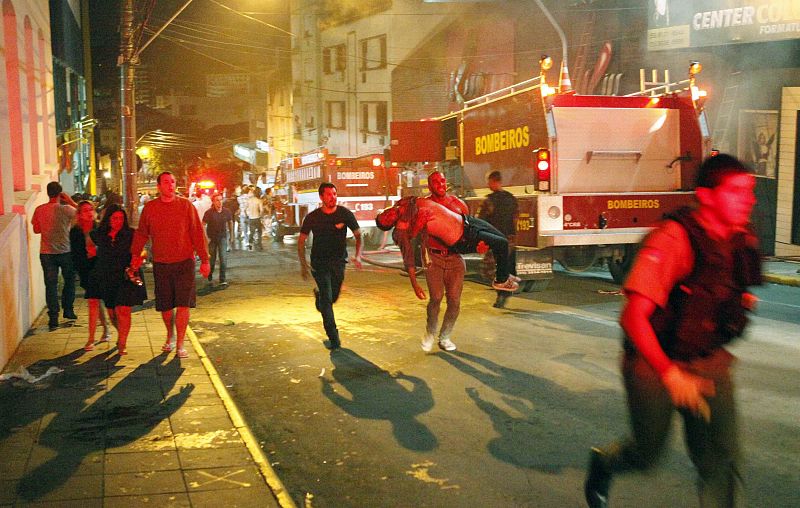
175,285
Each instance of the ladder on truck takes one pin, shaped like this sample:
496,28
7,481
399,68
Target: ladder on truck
725,114
582,74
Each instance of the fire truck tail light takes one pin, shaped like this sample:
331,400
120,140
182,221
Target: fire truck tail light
377,161
541,161
543,165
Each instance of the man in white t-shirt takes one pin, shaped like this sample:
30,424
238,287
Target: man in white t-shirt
53,220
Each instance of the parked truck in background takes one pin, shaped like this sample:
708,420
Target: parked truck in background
592,174
364,185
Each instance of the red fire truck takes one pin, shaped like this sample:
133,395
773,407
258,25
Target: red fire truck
592,174
364,185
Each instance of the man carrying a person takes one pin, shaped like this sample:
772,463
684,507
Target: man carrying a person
329,225
53,221
176,234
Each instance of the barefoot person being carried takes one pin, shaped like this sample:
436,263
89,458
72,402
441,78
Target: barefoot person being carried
461,233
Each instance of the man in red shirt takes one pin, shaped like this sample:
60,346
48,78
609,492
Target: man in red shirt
172,224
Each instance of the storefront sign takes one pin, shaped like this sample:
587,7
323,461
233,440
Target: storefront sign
675,24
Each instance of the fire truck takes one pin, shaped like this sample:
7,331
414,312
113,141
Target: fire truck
364,185
591,174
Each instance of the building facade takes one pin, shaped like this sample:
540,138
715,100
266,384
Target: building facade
750,51
28,161
342,64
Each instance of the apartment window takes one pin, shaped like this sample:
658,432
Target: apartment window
373,53
374,117
334,59
335,113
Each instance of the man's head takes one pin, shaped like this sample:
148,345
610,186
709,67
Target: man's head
725,190
216,202
437,184
387,218
166,185
494,180
328,195
54,189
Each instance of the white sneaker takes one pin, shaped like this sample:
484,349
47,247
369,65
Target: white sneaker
427,342
445,344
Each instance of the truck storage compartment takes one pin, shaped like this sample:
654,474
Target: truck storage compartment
617,150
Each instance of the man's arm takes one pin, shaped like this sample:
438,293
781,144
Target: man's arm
403,240
301,255
359,246
140,237
685,389
68,200
37,226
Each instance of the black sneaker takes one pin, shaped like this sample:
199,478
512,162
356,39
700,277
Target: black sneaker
70,314
53,325
598,481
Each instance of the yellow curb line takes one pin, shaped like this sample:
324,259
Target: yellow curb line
786,280
255,450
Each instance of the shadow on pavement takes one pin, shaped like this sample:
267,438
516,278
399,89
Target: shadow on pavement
543,425
130,409
379,395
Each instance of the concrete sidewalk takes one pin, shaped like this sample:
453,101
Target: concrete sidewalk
142,429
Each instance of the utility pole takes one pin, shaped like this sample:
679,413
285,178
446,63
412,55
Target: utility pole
127,112
129,56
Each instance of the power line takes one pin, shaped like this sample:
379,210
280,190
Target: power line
252,18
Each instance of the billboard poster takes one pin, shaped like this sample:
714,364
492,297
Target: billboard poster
757,145
675,24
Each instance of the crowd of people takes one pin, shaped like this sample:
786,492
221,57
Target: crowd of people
686,295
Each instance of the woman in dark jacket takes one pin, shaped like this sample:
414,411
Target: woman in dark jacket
84,257
113,239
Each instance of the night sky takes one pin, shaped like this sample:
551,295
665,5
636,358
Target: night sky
204,38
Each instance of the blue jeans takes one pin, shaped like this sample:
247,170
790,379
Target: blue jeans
218,246
51,263
329,278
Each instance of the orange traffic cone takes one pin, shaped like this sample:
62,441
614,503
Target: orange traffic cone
564,83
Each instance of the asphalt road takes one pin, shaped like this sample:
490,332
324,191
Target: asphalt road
507,420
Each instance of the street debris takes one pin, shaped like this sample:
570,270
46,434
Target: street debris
22,373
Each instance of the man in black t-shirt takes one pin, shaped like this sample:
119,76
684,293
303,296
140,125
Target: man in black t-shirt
217,220
500,210
329,225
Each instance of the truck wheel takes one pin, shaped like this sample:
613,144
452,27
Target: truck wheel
578,258
619,268
372,238
530,286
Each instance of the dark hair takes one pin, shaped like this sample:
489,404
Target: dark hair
85,202
495,176
380,225
54,189
325,185
105,222
714,169
158,179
